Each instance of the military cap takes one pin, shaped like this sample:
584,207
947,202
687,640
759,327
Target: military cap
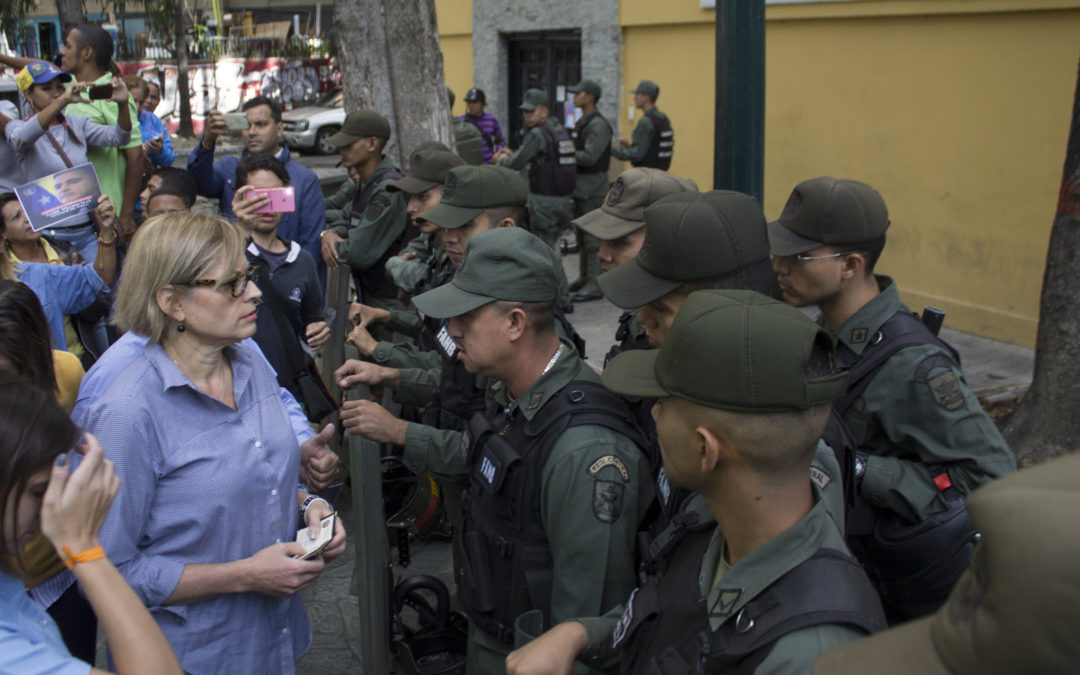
733,350
623,210
506,263
828,210
1017,606
475,94
426,170
39,72
471,190
587,86
360,124
647,87
533,98
689,236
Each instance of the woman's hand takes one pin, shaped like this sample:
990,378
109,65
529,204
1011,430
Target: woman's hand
106,212
75,505
272,572
73,94
318,510
245,207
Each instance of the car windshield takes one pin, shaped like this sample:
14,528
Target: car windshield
334,98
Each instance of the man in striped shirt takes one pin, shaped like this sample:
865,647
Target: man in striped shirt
484,121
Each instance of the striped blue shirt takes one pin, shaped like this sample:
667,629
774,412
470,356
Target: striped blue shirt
203,483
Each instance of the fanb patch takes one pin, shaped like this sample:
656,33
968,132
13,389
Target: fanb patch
615,194
607,498
820,476
937,373
375,209
610,460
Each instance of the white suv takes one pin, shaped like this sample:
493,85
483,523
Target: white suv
308,127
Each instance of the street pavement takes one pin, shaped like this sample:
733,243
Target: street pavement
995,371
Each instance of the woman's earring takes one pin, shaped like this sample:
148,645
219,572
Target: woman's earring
180,328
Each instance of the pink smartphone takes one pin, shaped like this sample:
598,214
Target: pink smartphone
282,200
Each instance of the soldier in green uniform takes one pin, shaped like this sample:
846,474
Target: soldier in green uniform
551,157
415,263
378,225
557,487
619,225
653,142
338,204
592,138
920,439
753,576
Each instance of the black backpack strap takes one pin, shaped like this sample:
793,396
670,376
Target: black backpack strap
583,402
901,330
830,587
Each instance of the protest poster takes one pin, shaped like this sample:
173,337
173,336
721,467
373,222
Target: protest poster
60,199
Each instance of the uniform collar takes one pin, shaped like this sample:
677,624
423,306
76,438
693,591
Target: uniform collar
859,329
763,566
536,397
385,165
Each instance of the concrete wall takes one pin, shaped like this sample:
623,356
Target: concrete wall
494,19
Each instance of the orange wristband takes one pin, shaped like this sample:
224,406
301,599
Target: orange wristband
89,555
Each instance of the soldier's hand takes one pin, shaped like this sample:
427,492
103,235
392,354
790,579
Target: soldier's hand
553,653
623,143
362,339
365,315
354,372
372,421
328,245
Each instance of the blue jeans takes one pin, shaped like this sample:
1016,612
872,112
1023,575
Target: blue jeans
82,237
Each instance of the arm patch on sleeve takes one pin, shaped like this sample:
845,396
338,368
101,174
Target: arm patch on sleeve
607,500
378,204
937,373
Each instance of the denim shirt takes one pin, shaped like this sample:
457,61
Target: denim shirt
203,483
62,290
29,639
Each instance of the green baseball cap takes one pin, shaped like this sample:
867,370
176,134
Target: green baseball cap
647,87
360,124
828,210
1015,609
426,170
533,98
733,350
623,210
587,86
689,236
471,190
506,263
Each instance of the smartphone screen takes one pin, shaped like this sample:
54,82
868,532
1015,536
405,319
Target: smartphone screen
281,200
100,91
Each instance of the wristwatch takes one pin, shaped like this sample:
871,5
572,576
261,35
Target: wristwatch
860,468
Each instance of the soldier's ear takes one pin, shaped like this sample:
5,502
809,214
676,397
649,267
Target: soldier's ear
712,446
517,321
854,266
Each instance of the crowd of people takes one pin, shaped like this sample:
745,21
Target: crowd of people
742,489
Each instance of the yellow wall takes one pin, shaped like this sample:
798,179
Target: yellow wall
956,110
455,37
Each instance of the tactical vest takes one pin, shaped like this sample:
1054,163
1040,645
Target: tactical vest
508,562
662,147
557,174
372,281
578,134
665,626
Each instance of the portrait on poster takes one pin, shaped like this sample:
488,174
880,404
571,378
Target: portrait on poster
60,199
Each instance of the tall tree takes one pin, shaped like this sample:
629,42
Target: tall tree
391,62
1046,424
72,13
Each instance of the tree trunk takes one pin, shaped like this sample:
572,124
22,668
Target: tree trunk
183,89
391,62
1046,424
71,14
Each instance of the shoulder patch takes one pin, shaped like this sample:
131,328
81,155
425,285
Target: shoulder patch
820,476
937,373
610,460
378,204
607,500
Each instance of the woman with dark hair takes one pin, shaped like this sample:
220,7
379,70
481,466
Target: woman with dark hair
74,296
25,346
38,493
